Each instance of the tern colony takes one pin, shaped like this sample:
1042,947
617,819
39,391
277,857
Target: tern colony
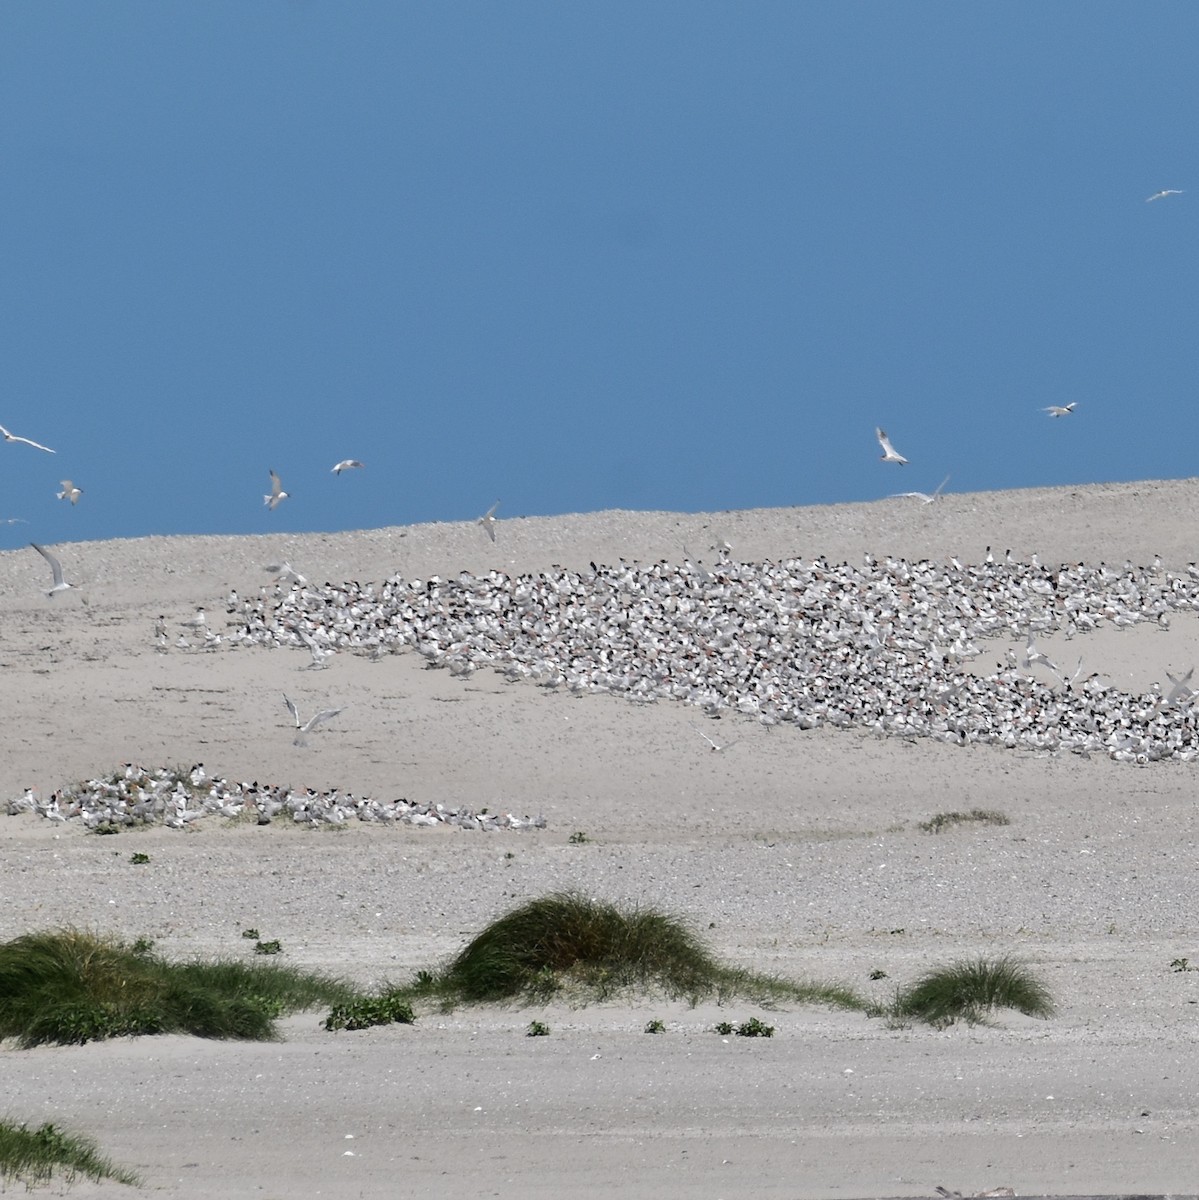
886,646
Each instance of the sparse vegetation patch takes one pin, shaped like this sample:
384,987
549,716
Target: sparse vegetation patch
386,1009
33,1156
948,820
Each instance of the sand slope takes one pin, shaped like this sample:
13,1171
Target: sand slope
796,852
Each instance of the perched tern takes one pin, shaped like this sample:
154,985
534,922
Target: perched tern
1163,193
923,495
70,492
12,437
326,714
1060,410
60,584
488,520
890,454
345,465
277,494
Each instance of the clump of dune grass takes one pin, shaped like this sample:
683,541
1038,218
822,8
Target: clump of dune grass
947,820
970,991
69,987
580,949
32,1156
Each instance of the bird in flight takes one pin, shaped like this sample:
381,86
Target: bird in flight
60,584
924,495
12,437
717,746
70,492
489,521
1061,410
285,570
345,465
890,454
277,494
326,714
1163,193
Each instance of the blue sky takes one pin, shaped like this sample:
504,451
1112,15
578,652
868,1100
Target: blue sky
646,254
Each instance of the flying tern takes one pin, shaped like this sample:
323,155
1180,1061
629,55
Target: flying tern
60,584
923,495
326,714
1060,410
285,570
70,492
488,520
277,494
713,745
1163,193
345,465
890,454
12,437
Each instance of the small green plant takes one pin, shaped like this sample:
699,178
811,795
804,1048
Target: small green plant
252,934
877,974
970,990
724,1028
142,946
655,1026
537,1029
1180,965
138,858
947,820
31,1156
578,838
754,1028
272,947
107,827
386,1009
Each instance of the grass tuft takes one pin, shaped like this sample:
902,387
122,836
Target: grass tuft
72,987
947,820
566,946
565,934
31,1156
970,990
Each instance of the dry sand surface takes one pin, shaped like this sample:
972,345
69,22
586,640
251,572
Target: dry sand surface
794,852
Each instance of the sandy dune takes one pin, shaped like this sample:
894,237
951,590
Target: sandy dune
797,852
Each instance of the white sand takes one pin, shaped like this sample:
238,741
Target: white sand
796,852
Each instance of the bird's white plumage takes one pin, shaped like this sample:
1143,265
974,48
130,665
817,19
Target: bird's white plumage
924,496
60,584
890,454
277,495
488,521
345,465
12,437
326,714
70,491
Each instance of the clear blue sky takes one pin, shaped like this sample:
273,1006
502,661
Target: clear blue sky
631,253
